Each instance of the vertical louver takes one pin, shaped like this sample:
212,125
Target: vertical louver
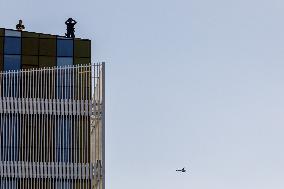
52,128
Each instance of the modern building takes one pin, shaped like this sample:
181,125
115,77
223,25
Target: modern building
51,113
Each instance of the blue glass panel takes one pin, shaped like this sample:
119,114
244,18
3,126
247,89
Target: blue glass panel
12,62
64,61
13,33
64,79
10,85
64,84
64,47
12,45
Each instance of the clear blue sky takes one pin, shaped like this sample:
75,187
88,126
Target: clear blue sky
195,83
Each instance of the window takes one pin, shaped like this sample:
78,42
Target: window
64,84
47,47
30,46
12,45
82,48
12,62
45,61
30,34
1,32
65,47
10,81
30,60
82,61
12,33
1,62
64,61
1,45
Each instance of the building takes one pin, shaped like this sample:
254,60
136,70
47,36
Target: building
51,113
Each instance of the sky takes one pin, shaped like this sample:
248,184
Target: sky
189,83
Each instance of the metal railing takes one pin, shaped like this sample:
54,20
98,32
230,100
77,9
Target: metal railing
52,124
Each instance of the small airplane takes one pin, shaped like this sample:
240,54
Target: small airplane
181,170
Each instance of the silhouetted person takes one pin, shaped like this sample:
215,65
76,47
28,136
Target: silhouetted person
70,23
20,26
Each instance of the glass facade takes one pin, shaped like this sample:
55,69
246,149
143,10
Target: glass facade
64,61
47,61
1,45
24,50
1,62
30,46
12,62
65,47
1,32
82,48
1,49
47,47
12,45
13,33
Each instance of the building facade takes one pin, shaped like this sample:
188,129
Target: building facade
25,50
51,113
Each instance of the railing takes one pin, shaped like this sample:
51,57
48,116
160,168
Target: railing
76,82
52,125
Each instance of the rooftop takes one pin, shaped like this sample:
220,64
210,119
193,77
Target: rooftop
18,33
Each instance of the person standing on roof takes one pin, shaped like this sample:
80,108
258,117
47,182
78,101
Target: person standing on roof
20,26
70,23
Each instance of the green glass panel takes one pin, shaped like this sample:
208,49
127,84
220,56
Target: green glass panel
47,36
2,32
29,66
30,34
1,45
82,48
1,62
47,47
82,61
46,61
30,60
30,46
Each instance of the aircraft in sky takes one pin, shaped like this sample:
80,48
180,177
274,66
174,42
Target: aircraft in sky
181,170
